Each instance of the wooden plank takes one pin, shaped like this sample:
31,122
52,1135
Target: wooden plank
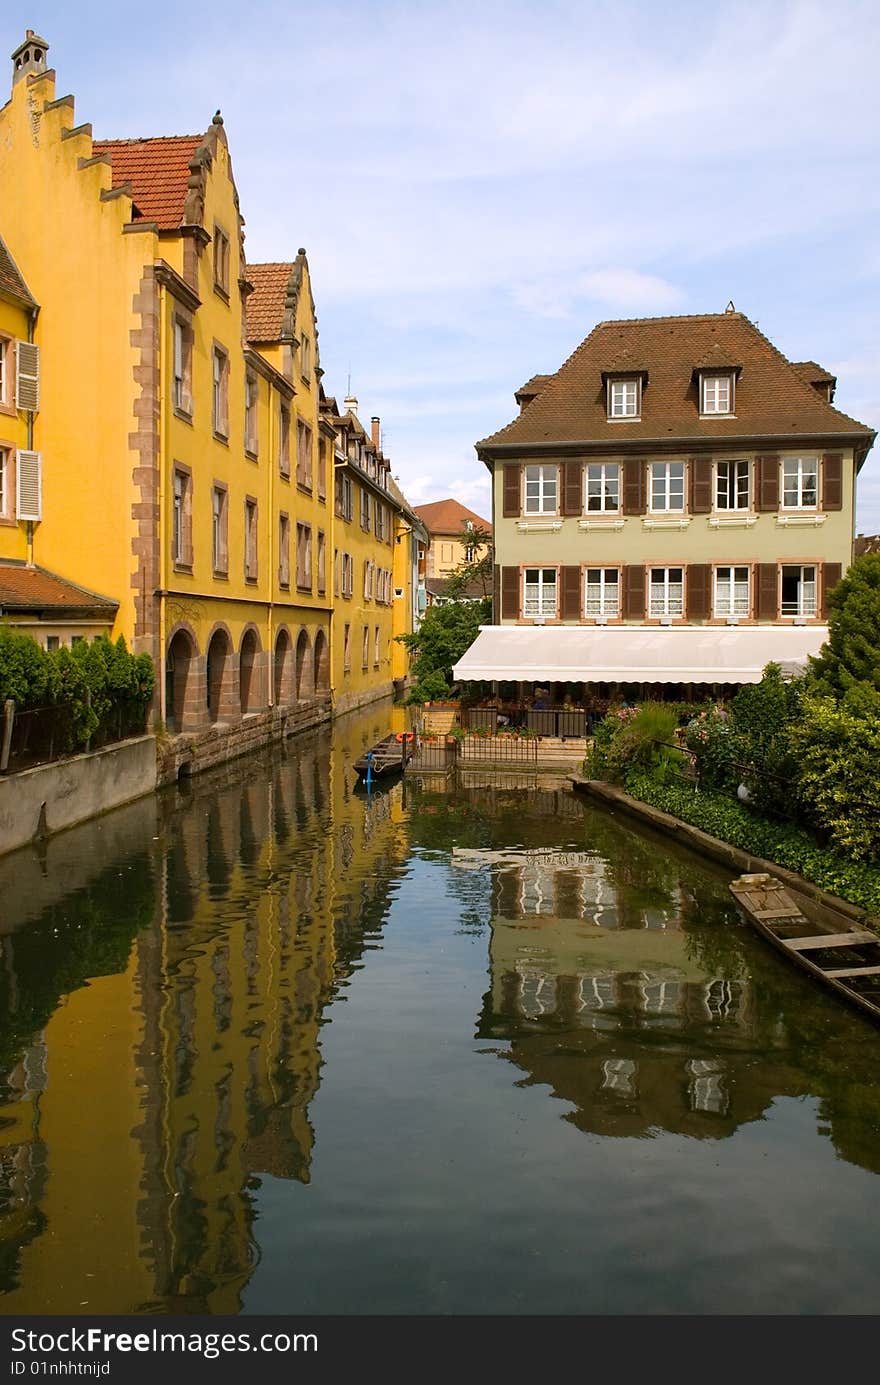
830,940
853,971
791,913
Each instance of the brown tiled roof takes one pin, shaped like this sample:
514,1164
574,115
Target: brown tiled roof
867,543
158,170
772,399
531,387
449,517
265,306
11,281
34,589
813,373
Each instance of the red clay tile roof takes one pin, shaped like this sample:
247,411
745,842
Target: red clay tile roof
34,589
265,306
772,399
158,170
449,517
531,387
11,282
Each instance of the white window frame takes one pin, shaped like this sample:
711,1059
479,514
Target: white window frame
5,343
797,464
5,486
739,505
732,594
607,475
673,602
251,398
625,399
540,603
664,472
544,482
250,540
347,574
377,647
810,585
220,392
605,600
711,396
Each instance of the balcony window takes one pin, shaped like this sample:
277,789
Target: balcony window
732,486
799,591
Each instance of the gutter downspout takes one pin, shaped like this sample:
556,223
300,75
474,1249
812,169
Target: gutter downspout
161,497
29,531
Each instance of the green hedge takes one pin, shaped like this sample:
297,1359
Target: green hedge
790,847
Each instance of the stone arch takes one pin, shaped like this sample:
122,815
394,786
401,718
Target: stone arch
220,681
249,671
322,662
282,668
304,684
183,704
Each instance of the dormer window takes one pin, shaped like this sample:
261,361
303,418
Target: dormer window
716,394
624,398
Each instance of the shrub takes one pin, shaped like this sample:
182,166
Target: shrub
850,659
710,738
24,670
636,738
761,719
838,754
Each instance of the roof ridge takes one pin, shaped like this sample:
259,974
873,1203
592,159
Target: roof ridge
145,139
669,317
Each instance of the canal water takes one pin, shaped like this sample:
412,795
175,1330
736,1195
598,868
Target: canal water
268,1045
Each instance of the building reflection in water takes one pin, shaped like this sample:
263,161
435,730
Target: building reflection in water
160,1029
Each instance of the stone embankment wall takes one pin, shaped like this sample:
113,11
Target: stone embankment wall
37,802
191,753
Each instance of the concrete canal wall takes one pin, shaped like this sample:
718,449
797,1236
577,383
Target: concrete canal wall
191,753
37,802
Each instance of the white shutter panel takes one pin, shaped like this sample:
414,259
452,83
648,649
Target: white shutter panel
29,485
27,375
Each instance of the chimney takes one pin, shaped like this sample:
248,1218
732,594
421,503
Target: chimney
374,430
29,57
350,404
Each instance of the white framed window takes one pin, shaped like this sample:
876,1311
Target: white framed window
5,488
347,574
541,490
4,370
219,528
799,590
305,360
177,517
732,596
667,487
250,540
220,396
732,486
800,483
602,591
539,591
376,648
716,394
250,412
221,260
603,487
365,653
624,398
667,591
284,550
346,658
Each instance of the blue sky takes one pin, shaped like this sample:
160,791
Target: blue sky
477,186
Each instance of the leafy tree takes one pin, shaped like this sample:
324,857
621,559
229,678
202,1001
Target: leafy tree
848,665
445,633
24,673
838,752
476,570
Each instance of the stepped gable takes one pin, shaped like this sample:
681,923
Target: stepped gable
158,171
773,399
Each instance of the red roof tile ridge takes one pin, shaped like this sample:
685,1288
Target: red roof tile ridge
669,317
146,139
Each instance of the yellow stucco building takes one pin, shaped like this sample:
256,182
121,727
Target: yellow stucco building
187,465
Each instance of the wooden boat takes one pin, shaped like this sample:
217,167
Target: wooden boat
848,962
386,758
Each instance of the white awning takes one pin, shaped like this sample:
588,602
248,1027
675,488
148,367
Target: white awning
636,653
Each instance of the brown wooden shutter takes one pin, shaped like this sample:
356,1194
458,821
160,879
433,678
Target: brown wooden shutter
573,488
496,595
831,574
634,486
512,501
571,593
510,593
768,591
634,592
699,591
701,485
832,481
767,483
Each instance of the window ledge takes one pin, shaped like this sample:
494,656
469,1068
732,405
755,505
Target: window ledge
251,581
221,437
306,489
710,417
221,574
252,454
618,418
221,292
180,566
666,522
732,521
185,415
538,526
811,521
599,524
